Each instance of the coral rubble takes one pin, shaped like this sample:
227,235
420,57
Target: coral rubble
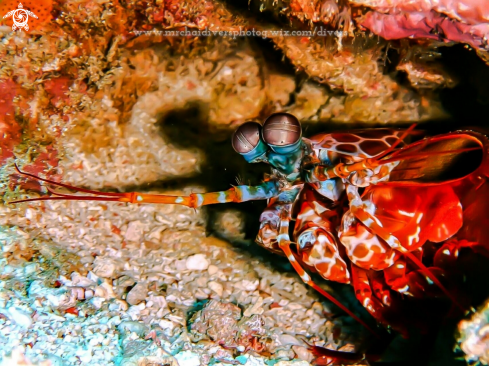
83,98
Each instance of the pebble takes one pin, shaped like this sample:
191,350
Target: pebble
62,299
251,360
293,363
118,305
7,270
303,353
31,268
216,287
96,302
197,262
166,325
287,339
181,265
283,302
212,269
37,289
134,311
86,259
103,291
257,308
114,321
20,317
285,354
54,360
93,277
133,326
78,292
58,318
188,358
138,352
125,281
137,294
81,281
158,301
4,297
134,231
104,267
247,285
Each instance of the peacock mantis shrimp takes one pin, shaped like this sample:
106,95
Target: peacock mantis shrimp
364,204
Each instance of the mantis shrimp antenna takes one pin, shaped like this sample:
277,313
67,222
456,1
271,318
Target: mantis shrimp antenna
236,194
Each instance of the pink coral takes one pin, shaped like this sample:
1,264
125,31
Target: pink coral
467,11
426,25
464,21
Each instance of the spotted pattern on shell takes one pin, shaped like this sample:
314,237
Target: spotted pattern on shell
364,178
347,148
345,137
361,144
269,226
317,245
365,249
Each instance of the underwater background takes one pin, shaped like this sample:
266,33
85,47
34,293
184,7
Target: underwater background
136,95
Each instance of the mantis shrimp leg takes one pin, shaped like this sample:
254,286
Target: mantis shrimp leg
317,243
284,244
375,295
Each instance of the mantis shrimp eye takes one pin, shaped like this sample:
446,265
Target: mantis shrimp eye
247,141
282,132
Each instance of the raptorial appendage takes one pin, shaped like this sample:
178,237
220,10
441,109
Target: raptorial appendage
317,242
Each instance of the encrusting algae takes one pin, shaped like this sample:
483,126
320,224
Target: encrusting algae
84,98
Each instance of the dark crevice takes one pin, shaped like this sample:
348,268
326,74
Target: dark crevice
468,101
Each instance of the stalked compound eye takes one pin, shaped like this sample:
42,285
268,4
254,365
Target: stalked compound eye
282,132
247,141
